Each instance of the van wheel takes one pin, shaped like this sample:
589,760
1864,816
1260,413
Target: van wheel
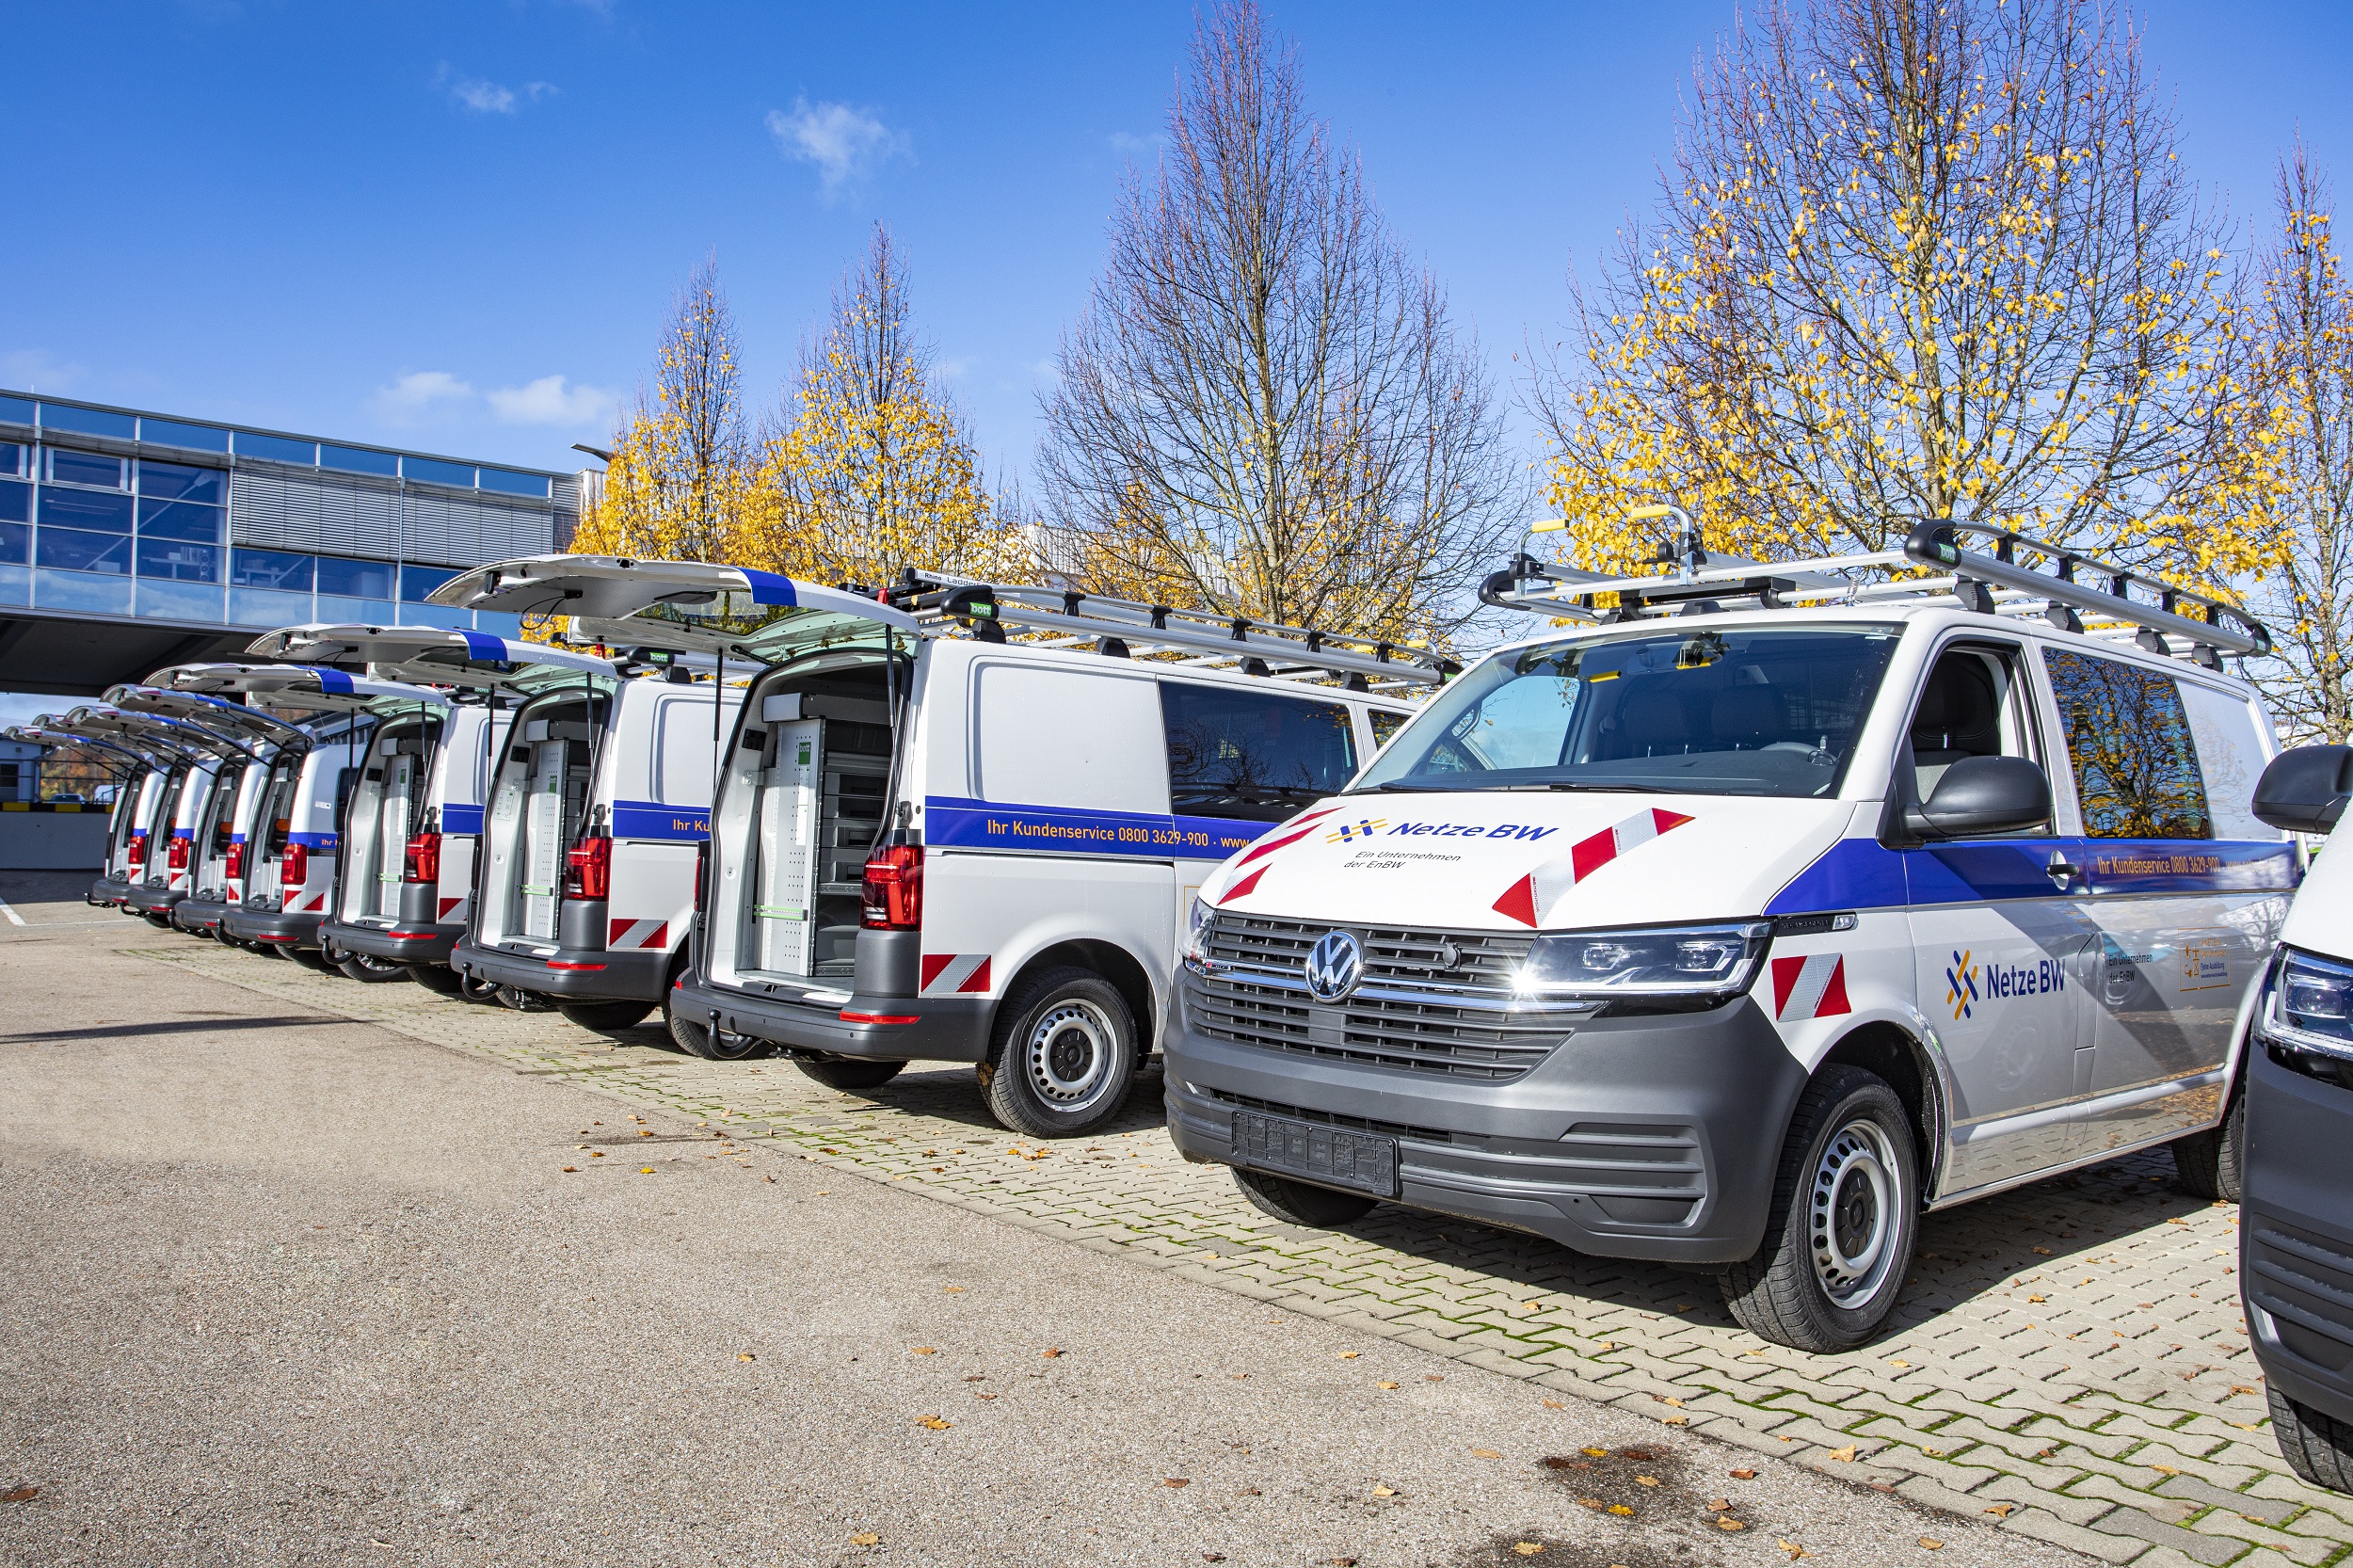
437,978
2318,1447
604,1017
161,922
370,969
1846,1213
714,1045
2208,1163
1299,1204
1063,1055
310,958
849,1072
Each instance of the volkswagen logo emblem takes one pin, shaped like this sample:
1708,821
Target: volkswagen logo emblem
1333,967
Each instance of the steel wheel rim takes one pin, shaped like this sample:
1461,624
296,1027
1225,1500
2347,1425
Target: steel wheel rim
1068,1055
1852,1214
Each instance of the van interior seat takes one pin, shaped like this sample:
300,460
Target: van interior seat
1959,716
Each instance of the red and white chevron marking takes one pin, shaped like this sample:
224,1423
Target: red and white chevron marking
450,907
304,904
1812,987
953,973
1526,899
635,935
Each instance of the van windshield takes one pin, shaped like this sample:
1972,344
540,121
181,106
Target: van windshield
1743,711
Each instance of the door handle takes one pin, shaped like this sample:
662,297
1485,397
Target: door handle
2060,871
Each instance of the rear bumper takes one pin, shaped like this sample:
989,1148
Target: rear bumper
401,944
880,1028
1643,1137
143,900
200,917
107,892
271,925
600,975
2295,1234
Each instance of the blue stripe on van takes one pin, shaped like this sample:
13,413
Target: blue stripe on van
333,682
481,644
645,819
1862,873
313,840
461,819
951,822
769,589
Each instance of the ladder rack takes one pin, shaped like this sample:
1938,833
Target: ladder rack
1995,584
1208,639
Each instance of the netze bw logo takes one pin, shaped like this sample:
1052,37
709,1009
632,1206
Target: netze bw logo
1969,986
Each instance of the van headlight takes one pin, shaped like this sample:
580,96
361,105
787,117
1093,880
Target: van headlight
1694,961
1195,951
2311,1005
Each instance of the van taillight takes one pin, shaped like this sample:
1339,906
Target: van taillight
139,850
295,870
425,859
588,869
237,860
176,858
893,889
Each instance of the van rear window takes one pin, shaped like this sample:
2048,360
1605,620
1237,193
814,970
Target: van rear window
1257,756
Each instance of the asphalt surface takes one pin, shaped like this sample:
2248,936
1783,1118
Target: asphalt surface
288,1288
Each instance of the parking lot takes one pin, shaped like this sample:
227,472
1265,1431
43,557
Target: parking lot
2068,1364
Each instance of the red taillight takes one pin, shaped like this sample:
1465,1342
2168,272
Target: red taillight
893,889
237,860
425,859
588,869
295,870
139,850
176,858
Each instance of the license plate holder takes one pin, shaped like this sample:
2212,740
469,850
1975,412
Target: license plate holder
1332,1156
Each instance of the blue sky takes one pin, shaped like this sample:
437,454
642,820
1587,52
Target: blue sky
457,226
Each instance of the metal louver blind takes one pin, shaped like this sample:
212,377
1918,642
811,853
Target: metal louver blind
290,513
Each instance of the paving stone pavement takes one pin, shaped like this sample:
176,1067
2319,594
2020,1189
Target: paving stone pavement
2070,1358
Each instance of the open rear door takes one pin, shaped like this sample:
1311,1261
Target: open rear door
305,688
258,731
433,656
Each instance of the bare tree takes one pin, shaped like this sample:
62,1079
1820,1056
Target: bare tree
2305,591
1913,258
1265,407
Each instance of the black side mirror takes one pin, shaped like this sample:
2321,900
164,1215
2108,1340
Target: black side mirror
1979,796
2304,790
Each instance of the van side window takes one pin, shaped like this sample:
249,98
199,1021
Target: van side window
1970,706
684,751
2128,737
1385,723
2231,756
1259,757
1067,738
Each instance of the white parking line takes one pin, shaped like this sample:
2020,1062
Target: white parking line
14,919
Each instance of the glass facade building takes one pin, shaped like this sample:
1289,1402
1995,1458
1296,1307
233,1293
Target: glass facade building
113,513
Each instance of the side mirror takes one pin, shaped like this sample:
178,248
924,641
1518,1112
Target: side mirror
1980,795
2304,790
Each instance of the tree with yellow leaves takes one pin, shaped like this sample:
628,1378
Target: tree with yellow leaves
1915,259
872,470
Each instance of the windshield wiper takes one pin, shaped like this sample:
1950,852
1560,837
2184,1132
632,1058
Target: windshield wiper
1612,789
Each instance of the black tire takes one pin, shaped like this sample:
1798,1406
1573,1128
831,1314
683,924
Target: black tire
605,1018
523,1001
310,958
1844,1218
1300,1204
849,1072
367,969
722,1045
161,922
438,978
2208,1163
2318,1447
1062,1057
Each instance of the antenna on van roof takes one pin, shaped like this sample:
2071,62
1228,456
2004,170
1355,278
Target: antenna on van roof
2063,585
1125,627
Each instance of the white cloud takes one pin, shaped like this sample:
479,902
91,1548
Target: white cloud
956,367
37,370
1129,144
845,144
486,97
548,401
417,395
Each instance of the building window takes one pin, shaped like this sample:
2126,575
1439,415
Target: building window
182,482
14,458
179,520
92,509
417,582
178,561
16,544
84,467
511,483
16,501
279,570
358,459
437,472
72,550
348,579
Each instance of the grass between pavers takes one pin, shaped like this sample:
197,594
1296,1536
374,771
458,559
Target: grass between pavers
2063,1353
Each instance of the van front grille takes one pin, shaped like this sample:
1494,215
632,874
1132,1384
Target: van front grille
1430,1001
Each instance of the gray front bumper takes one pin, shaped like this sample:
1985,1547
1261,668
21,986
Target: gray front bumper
2295,1234
1643,1137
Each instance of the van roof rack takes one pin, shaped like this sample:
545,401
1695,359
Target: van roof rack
2021,576
1211,639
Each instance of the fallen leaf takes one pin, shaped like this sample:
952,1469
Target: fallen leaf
1906,1365
1726,1522
1212,1556
745,1356
933,1422
2162,1469
924,1350
1843,1455
645,1170
952,1289
1594,1453
1349,1355
1931,1544
1794,1550
2242,1389
22,1495
2035,1301
1385,1385
1555,1404
1646,1480
1637,1453
1668,1398
1678,1420
1247,1492
1385,1491
1177,1480
866,1538
570,1169
1720,1505
1527,1548
2044,1252
1485,1453
2001,1511
1433,1377
1744,1475
597,1155
976,1377
1622,1511
1050,1354
1594,1503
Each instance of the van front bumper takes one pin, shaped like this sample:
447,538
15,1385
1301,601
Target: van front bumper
1651,1137
248,924
401,944
2295,1234
879,1029
568,974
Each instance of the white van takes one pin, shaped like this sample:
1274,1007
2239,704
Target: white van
935,841
140,772
1735,936
406,858
158,865
288,870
